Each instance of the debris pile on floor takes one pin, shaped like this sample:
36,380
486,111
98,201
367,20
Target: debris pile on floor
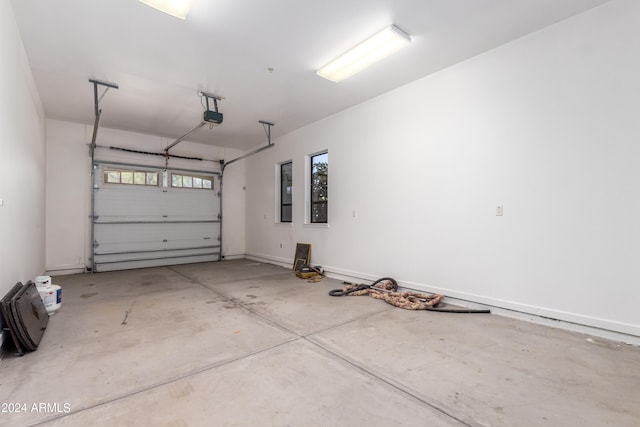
302,266
310,273
386,289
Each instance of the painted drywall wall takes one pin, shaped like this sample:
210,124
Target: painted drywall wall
545,126
21,163
68,190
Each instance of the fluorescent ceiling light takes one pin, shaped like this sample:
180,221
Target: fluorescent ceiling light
178,8
368,52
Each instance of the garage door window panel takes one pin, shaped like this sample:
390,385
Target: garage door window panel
191,181
130,177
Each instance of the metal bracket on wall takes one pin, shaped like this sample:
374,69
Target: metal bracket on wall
267,130
92,150
97,110
215,98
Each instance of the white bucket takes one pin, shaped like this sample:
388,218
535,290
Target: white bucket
42,281
51,297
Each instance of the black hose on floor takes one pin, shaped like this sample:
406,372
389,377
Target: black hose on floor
459,310
341,293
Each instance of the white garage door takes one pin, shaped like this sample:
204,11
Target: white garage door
146,217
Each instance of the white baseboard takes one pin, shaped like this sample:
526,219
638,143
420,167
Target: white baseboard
63,270
282,262
562,324
608,329
231,257
604,328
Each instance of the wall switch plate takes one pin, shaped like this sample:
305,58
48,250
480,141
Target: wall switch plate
1,202
499,211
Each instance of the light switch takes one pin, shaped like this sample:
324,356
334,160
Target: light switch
499,211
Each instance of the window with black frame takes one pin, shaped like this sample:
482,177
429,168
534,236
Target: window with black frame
319,188
286,191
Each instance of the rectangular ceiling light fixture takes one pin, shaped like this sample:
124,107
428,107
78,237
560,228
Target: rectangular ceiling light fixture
367,53
178,8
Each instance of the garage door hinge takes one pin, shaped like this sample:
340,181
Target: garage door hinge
96,188
95,244
94,217
219,216
219,239
165,216
219,193
207,238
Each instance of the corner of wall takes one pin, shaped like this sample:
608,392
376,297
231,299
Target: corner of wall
22,131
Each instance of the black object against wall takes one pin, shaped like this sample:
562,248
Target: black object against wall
10,326
25,316
302,256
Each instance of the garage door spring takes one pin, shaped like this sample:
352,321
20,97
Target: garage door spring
386,289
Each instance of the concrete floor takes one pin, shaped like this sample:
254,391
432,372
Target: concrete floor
239,343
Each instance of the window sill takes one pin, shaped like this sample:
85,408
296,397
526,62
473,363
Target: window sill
316,225
283,224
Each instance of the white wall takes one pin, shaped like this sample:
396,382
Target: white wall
546,126
21,161
69,186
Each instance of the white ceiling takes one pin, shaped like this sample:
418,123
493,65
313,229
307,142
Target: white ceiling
226,47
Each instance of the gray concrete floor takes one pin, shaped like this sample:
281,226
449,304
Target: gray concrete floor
239,343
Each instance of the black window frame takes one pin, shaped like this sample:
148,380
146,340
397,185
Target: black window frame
318,187
282,195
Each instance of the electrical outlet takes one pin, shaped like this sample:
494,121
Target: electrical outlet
1,202
499,211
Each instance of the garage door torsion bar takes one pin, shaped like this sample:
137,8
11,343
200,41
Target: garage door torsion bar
150,153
